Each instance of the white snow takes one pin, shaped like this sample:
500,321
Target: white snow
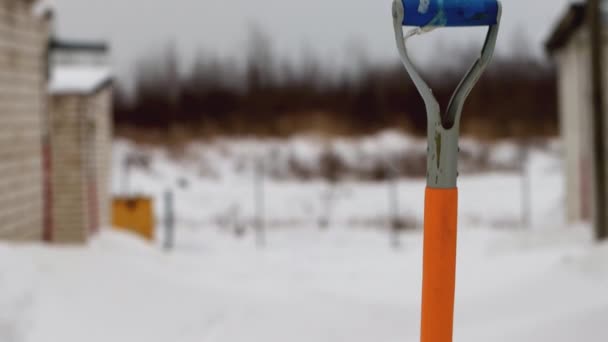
218,179
77,79
18,288
545,283
341,285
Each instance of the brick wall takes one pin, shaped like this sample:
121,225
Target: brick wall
81,134
68,160
23,42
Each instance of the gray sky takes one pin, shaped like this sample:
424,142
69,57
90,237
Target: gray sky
332,28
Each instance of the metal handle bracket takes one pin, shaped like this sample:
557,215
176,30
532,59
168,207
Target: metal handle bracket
443,130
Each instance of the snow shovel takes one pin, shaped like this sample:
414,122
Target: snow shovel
441,203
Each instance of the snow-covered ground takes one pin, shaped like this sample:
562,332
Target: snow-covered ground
215,183
304,286
543,283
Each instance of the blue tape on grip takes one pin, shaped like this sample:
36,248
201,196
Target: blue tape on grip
450,12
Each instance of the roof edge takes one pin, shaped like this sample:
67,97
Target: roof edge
94,46
573,19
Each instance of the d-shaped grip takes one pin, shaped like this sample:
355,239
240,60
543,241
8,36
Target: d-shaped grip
450,12
439,270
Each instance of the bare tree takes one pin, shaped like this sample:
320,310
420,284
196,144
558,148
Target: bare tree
279,97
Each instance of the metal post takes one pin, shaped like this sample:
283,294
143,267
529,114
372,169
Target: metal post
327,198
169,221
258,199
126,168
393,198
526,193
598,124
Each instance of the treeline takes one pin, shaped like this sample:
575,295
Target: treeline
515,97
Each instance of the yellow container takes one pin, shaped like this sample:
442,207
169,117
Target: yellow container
134,214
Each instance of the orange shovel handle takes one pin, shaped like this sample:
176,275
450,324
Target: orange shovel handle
439,270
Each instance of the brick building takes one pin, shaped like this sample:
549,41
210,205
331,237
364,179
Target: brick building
55,130
80,136
24,35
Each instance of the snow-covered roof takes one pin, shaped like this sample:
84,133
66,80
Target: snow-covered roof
78,79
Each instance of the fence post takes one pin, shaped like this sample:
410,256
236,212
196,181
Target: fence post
126,168
169,221
258,199
392,174
526,190
595,18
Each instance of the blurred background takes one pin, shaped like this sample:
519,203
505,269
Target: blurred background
255,171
